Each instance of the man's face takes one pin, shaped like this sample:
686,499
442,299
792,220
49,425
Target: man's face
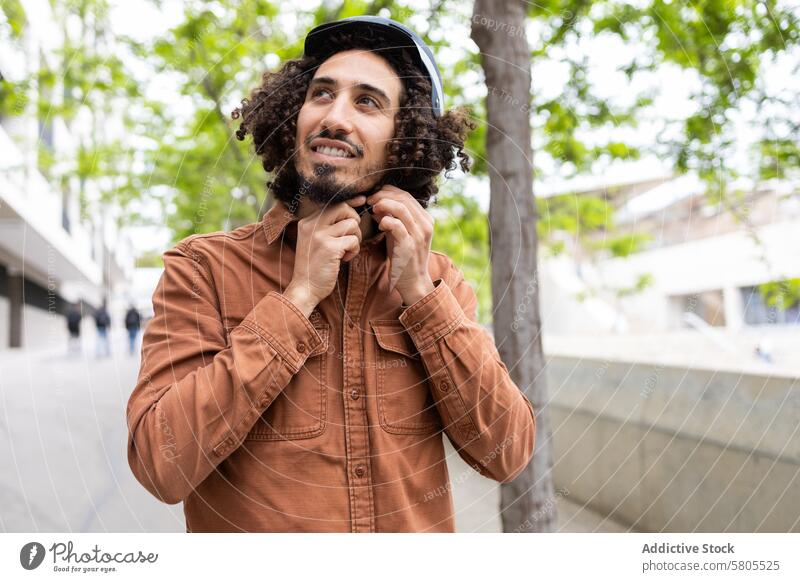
350,106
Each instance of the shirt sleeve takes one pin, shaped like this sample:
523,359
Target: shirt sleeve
199,392
488,419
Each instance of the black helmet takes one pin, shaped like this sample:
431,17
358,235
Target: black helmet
315,45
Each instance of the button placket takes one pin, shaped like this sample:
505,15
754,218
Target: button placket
362,512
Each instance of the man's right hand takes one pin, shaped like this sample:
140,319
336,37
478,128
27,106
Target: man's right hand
325,238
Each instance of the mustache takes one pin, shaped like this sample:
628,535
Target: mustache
327,135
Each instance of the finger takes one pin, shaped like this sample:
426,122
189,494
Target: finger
345,226
400,235
398,210
350,255
349,245
357,201
389,192
395,226
337,212
381,194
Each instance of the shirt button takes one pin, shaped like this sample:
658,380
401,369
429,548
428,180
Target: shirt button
301,347
351,324
444,386
417,326
360,471
354,394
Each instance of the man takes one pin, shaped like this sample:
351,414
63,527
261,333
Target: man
298,373
102,322
133,322
74,317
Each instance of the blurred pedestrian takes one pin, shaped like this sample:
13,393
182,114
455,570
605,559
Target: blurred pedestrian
74,316
763,349
133,322
102,321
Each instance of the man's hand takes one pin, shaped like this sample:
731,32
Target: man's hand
324,239
409,231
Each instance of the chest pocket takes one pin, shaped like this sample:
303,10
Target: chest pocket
300,410
405,402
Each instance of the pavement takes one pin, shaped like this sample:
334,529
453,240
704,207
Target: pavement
63,450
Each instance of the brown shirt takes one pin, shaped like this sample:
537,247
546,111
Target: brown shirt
260,419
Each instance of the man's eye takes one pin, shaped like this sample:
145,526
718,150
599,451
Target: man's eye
375,103
318,92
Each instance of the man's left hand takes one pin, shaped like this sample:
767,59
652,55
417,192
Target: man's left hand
409,231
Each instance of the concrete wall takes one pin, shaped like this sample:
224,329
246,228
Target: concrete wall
676,449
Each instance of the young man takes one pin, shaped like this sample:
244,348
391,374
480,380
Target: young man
298,373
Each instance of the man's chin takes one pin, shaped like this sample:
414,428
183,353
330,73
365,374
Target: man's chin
327,190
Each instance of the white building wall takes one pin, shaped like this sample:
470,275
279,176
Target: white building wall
93,257
724,263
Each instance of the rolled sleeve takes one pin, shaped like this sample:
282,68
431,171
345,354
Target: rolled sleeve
200,390
486,416
433,316
279,322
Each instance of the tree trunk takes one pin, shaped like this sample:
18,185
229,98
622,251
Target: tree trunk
498,28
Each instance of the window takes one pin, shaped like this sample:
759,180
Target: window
706,305
759,310
65,198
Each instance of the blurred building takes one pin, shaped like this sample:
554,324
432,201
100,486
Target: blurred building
704,264
49,254
672,373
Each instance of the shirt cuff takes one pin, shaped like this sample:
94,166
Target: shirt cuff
283,326
433,316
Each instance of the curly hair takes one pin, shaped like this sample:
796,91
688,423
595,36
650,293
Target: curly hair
422,146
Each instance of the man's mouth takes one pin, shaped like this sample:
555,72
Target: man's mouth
330,152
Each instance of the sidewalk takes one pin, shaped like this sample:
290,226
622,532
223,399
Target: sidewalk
63,441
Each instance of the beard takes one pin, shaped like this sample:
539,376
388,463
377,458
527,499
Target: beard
324,188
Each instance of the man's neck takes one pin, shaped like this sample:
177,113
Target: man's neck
369,227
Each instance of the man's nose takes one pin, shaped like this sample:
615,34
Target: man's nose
338,118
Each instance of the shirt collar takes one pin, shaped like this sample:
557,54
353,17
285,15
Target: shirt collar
276,220
280,216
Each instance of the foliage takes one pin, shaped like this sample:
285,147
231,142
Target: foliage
723,43
461,232
179,150
781,294
588,220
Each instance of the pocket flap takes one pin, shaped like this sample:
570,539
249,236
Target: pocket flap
392,336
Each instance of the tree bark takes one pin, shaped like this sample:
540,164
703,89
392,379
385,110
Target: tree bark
498,28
